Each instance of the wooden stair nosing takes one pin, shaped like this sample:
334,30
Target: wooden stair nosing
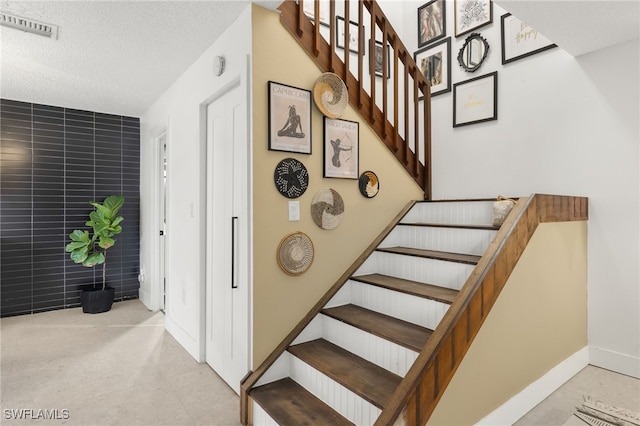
451,226
364,378
288,403
432,254
414,288
403,333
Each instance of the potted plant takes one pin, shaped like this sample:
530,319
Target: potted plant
90,249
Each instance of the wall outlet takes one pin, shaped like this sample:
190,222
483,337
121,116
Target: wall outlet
294,211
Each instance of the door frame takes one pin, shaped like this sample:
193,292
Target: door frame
157,288
239,80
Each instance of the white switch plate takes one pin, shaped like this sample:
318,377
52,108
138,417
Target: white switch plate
294,211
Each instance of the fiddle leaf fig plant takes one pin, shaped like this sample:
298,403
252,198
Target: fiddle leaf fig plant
90,248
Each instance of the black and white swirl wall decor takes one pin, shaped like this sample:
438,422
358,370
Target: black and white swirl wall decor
327,208
291,178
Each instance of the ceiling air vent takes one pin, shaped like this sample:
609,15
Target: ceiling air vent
29,25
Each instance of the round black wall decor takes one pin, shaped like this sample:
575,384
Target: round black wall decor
291,178
368,184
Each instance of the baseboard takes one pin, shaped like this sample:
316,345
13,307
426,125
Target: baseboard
145,298
615,361
188,342
520,404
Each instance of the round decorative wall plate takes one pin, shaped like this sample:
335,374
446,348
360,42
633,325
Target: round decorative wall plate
327,208
291,178
295,253
330,95
368,184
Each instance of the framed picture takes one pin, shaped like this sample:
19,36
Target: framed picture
375,50
354,35
341,148
435,64
471,14
289,118
309,10
475,100
431,22
520,40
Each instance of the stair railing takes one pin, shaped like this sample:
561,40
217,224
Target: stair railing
395,100
416,397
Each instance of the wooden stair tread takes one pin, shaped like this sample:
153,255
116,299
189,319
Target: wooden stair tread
432,254
451,225
288,403
362,377
414,288
398,331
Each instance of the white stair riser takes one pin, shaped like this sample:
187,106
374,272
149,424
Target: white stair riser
467,241
430,271
457,213
385,354
341,399
260,417
417,310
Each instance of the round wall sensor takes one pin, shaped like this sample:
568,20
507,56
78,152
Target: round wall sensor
218,65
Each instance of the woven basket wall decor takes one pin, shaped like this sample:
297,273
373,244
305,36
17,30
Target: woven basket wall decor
330,95
291,178
295,253
327,208
368,184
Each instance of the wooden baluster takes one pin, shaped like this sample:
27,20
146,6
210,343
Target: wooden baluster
427,141
406,110
299,17
416,123
347,38
372,69
332,34
385,85
360,53
396,123
316,28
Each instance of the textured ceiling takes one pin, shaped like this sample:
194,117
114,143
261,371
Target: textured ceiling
120,56
580,27
110,56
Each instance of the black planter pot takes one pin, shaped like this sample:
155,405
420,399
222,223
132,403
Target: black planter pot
95,301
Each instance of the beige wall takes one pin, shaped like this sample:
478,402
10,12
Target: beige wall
539,320
280,301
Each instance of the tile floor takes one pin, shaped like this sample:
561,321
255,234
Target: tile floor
123,368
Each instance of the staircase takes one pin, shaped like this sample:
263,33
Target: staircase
348,361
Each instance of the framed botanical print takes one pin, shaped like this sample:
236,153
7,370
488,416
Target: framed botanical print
471,14
354,34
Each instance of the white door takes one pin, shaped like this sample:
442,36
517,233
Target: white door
227,293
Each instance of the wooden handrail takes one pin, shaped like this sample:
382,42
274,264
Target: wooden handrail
398,137
424,384
252,378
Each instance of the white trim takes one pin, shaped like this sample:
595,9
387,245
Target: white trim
615,361
520,404
188,342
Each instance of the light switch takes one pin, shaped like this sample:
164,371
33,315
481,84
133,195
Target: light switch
294,211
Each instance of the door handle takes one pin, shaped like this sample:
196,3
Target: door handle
234,220
161,233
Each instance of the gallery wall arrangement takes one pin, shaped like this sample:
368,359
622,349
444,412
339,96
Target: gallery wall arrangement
475,100
290,116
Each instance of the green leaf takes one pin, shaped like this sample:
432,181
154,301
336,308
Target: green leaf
113,203
117,221
106,242
79,235
93,259
79,256
75,245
